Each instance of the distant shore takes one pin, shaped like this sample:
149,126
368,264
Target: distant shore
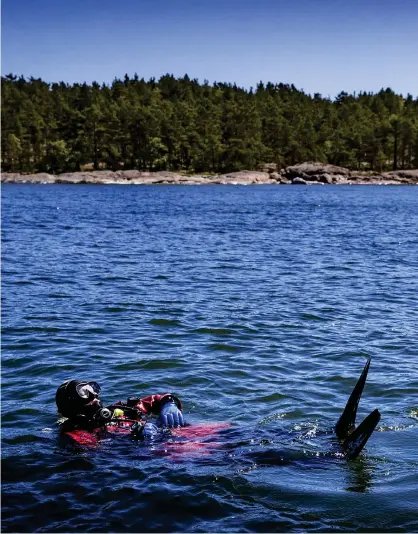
302,174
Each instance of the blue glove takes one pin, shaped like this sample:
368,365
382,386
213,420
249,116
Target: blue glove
150,430
144,431
171,415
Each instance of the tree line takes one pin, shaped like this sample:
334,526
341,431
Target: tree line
181,124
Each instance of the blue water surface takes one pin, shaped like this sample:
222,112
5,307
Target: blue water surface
257,306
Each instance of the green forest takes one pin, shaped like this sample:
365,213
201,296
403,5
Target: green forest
179,124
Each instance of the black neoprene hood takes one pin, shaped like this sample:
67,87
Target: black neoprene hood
73,400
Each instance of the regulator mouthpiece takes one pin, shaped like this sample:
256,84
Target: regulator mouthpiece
104,415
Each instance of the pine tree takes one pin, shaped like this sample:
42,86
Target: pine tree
180,124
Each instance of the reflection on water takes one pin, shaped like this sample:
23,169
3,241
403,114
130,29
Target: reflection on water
359,474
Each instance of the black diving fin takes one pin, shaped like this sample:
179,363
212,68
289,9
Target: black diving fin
354,439
354,444
347,421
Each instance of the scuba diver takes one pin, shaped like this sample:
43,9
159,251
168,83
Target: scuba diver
88,421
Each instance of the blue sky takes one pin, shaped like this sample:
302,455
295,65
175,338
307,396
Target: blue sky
323,46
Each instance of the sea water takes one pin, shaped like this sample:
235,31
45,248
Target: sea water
258,306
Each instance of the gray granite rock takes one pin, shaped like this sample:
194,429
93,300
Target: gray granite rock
304,170
306,173
298,181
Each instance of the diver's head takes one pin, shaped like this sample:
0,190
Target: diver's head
75,398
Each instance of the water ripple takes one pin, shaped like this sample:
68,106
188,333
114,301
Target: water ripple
257,307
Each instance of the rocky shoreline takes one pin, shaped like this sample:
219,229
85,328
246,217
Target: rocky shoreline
302,174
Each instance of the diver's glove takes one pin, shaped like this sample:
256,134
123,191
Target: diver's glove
171,415
150,430
144,430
